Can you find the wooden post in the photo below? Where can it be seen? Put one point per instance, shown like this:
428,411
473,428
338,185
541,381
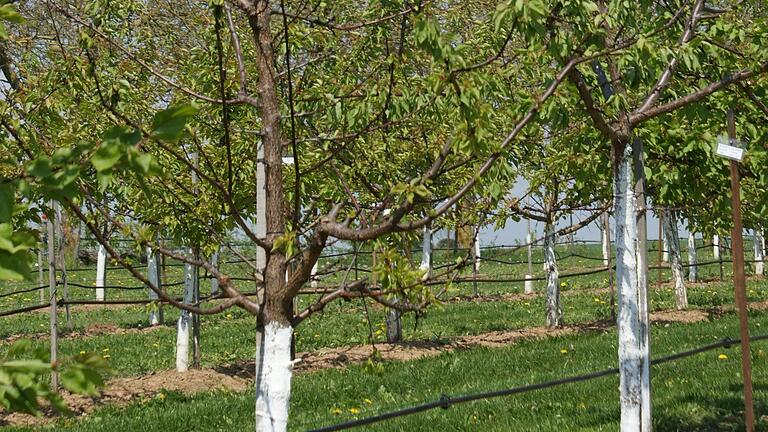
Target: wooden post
52,296
61,265
739,282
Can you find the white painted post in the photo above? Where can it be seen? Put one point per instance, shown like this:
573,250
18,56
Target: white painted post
40,278
716,246
554,310
101,272
671,233
759,257
693,271
153,274
54,322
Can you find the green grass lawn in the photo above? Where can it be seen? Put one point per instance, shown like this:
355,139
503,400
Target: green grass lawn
698,393
230,337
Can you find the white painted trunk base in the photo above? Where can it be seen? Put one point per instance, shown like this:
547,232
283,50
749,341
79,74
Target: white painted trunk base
153,274
665,243
693,271
554,309
528,284
604,240
759,256
273,380
426,252
628,321
101,272
716,247
185,321
671,233
313,275
476,245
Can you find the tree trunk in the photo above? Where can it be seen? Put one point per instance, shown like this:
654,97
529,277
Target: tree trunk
673,241
628,322
153,274
273,377
554,310
693,271
426,251
759,252
604,239
215,281
716,246
394,326
665,239
184,324
101,273
529,275
476,252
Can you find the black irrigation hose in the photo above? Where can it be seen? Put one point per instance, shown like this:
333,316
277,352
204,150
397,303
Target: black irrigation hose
24,309
23,291
446,401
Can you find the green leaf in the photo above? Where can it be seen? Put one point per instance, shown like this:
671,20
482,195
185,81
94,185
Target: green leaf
7,200
168,125
14,267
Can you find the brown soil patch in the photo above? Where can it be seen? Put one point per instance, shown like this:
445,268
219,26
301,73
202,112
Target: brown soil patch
125,390
680,316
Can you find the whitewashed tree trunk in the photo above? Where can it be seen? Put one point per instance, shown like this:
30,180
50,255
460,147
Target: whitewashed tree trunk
554,310
426,251
628,321
184,324
665,241
759,252
476,245
529,276
394,326
671,233
604,239
101,272
153,274
313,275
716,246
693,271
273,378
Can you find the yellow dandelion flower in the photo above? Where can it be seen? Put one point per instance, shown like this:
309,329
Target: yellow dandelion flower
161,396
229,316
563,284
564,351
336,411
105,350
82,352
354,411
722,357
368,401
107,356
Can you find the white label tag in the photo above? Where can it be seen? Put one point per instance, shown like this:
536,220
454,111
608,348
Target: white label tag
730,152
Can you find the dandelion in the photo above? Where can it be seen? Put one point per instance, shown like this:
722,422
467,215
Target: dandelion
229,316
336,411
354,411
105,350
107,356
564,351
82,352
563,284
722,357
161,396
368,401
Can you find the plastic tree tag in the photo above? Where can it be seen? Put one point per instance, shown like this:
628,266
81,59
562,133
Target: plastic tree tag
728,151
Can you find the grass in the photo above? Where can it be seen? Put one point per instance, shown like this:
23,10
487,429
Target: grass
229,337
698,393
